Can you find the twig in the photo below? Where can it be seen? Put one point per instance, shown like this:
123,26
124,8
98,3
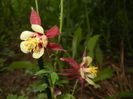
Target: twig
75,85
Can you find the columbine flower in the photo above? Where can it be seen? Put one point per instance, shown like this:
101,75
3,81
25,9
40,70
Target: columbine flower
36,42
84,71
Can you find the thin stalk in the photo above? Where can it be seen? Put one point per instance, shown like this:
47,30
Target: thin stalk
74,87
52,89
36,2
60,30
61,19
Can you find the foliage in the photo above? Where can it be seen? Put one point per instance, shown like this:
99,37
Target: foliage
12,96
67,96
20,65
54,77
38,87
106,73
122,95
76,41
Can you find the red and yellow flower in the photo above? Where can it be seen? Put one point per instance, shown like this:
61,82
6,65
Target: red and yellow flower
36,42
83,71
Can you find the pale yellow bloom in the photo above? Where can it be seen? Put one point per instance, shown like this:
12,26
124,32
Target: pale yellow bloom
87,71
34,42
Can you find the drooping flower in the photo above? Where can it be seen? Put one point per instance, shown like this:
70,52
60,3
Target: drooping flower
57,92
36,42
84,71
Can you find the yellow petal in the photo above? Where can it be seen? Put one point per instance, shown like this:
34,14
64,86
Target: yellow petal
38,54
24,48
82,73
25,35
90,81
37,28
87,60
45,41
91,76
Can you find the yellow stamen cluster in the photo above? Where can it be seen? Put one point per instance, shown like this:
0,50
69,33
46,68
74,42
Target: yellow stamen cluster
33,44
92,70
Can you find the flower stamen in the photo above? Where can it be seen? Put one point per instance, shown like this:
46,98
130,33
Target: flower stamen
33,44
92,70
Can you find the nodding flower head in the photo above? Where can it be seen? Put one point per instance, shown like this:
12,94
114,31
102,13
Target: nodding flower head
36,42
84,71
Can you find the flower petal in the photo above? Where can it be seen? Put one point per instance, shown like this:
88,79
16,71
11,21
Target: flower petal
92,76
44,40
67,70
84,53
25,35
35,18
90,81
54,46
57,92
37,28
38,54
71,78
54,31
87,60
72,62
24,48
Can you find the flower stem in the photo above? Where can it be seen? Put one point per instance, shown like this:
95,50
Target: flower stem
37,6
61,19
74,87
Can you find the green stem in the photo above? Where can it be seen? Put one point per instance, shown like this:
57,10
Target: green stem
61,23
36,6
40,64
74,87
61,19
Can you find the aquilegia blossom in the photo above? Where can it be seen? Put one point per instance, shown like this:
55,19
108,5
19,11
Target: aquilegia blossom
84,71
36,42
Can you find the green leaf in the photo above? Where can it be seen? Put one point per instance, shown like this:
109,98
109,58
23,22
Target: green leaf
76,40
68,96
21,64
43,71
54,77
11,96
125,94
99,55
91,44
39,87
104,74
22,97
42,96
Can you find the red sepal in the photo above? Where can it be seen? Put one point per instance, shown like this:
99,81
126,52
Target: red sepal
72,62
54,46
35,18
54,31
